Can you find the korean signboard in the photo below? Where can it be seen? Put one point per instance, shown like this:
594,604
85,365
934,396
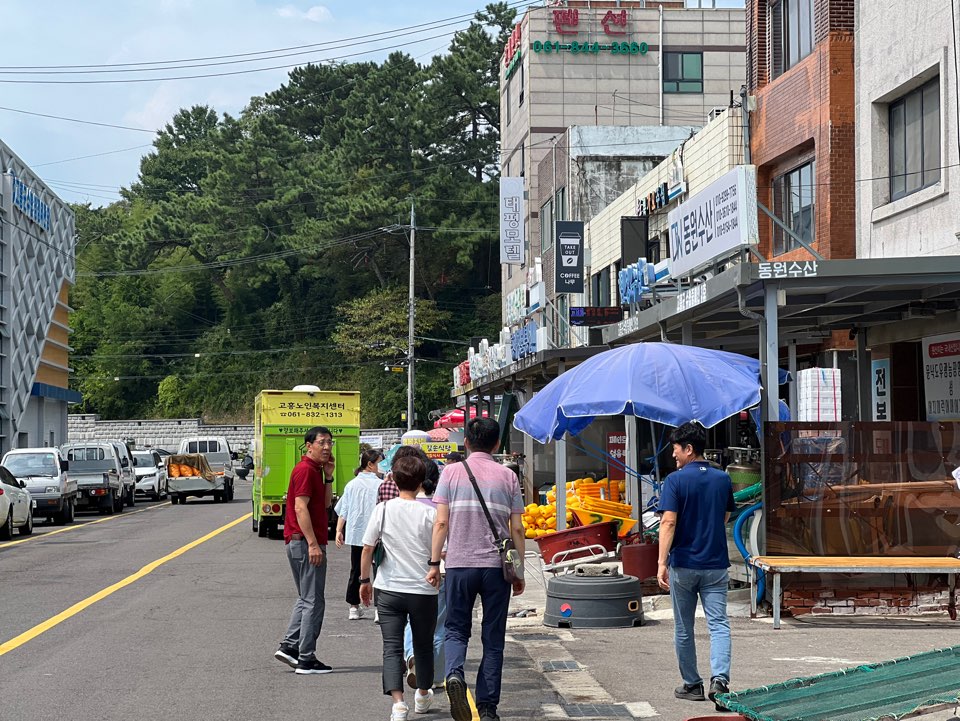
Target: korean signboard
617,451
569,257
941,377
591,316
511,52
880,385
584,32
511,221
714,223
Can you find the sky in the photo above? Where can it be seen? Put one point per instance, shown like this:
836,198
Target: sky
57,32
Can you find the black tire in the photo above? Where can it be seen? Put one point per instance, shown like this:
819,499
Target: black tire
6,530
131,496
111,507
27,528
217,497
60,517
229,493
264,529
256,526
71,512
173,499
182,499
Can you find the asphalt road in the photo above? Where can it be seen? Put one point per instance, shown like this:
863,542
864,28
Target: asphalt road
141,635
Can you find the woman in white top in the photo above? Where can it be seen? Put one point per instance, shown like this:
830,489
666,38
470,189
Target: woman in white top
404,527
354,510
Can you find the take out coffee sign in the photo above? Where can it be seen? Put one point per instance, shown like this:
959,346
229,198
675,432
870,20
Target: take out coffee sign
568,249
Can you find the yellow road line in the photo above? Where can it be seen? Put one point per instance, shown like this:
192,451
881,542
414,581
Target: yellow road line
473,706
76,608
41,536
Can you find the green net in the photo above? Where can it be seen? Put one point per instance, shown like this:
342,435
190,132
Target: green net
888,690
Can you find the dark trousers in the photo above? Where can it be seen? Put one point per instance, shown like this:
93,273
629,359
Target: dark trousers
395,609
463,585
353,584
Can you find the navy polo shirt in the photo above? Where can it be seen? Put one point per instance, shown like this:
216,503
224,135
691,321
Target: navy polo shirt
700,495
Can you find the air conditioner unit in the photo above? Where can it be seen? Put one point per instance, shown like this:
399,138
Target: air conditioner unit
716,112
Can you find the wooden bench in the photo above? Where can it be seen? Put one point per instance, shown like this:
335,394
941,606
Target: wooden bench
775,565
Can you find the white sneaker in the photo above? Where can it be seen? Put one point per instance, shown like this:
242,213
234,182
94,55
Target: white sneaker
399,712
422,703
356,613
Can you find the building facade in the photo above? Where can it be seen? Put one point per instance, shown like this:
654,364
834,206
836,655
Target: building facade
607,64
800,75
37,243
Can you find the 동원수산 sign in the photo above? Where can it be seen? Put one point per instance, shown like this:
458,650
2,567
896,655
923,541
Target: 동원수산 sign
714,223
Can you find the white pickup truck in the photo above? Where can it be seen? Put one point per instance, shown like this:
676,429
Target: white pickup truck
216,451
44,471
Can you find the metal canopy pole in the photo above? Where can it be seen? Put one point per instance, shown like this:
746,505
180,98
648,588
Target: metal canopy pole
561,475
792,367
770,391
864,378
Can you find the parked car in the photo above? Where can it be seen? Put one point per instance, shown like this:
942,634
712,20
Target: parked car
97,468
151,474
16,506
45,473
127,473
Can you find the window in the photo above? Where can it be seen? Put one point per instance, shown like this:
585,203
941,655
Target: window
604,296
520,71
506,102
915,140
617,267
560,203
790,33
523,159
653,251
682,72
546,225
793,203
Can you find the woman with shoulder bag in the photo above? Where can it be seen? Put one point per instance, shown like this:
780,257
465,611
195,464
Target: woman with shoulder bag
403,528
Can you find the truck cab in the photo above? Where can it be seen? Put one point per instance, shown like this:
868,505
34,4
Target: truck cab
45,474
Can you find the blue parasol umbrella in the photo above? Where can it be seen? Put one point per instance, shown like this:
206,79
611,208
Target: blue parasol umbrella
662,382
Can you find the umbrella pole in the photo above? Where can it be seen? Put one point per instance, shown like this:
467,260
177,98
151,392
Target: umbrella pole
656,453
560,466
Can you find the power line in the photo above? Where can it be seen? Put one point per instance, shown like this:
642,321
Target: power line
388,33
95,155
76,120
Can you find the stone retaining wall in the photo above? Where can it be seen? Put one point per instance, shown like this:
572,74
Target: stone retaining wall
167,433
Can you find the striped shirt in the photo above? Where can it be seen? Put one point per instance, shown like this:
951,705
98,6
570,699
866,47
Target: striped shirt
470,543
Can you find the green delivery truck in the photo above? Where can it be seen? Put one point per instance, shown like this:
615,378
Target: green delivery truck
280,420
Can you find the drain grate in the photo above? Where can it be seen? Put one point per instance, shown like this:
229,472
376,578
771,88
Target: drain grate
560,666
534,636
596,710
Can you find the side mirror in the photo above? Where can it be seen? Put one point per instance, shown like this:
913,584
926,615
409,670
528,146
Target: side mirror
124,463
234,456
160,465
22,484
64,465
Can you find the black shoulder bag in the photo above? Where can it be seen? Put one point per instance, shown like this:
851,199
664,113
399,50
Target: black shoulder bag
509,556
379,550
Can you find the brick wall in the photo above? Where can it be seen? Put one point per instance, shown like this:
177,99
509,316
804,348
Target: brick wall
802,599
808,113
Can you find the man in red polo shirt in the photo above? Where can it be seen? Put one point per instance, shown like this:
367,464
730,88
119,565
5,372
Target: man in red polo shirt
305,535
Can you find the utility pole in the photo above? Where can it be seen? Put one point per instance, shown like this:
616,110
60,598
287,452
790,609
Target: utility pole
411,313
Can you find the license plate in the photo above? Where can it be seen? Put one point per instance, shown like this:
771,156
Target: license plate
34,502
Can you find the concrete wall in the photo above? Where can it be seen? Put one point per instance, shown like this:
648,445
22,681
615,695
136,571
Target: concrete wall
590,89
888,65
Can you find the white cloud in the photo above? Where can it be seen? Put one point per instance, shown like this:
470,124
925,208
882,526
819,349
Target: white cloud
315,14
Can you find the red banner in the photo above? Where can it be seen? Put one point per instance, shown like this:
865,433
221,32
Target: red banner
617,450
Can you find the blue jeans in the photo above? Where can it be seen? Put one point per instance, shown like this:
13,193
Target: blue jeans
438,636
710,586
463,587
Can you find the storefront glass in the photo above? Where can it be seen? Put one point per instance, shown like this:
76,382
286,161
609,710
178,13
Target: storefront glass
862,489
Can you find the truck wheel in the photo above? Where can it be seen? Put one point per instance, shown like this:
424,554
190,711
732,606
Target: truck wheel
230,493
264,529
217,497
255,525
110,508
173,499
182,499
131,500
71,511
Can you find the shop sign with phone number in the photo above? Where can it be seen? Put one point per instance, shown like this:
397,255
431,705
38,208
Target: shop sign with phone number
624,48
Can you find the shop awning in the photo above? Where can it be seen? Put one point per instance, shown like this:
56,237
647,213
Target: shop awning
540,367
814,299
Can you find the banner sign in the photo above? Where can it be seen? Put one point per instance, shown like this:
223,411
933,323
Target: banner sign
569,257
511,221
617,450
592,316
715,223
941,377
880,376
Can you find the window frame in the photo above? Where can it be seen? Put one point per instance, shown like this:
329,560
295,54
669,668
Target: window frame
936,173
785,23
546,225
677,81
785,185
